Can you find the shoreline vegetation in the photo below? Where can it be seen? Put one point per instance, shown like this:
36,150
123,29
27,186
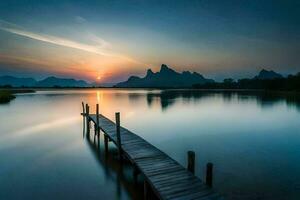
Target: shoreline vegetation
6,95
290,84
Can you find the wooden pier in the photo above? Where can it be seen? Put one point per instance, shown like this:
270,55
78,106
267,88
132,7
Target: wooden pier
165,177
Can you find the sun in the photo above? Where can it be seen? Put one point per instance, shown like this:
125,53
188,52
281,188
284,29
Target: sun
98,77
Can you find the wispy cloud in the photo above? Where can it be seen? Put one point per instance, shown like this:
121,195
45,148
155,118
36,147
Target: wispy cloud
80,19
102,47
101,42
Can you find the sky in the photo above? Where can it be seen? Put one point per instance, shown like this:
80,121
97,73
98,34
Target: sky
109,40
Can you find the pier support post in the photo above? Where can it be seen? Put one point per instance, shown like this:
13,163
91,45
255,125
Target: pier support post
97,129
87,109
146,192
118,134
135,174
83,111
105,143
98,142
83,116
209,174
191,162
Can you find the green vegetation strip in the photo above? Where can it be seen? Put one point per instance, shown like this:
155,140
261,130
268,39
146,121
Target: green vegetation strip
6,96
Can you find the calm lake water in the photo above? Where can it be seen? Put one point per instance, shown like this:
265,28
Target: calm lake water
252,138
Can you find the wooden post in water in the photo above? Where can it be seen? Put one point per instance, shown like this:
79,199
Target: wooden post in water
209,174
135,174
106,143
83,116
97,130
146,192
191,161
83,111
87,109
118,134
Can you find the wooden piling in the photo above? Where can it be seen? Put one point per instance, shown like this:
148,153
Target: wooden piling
83,111
98,142
106,143
97,130
191,161
83,117
87,109
118,134
146,192
135,174
209,174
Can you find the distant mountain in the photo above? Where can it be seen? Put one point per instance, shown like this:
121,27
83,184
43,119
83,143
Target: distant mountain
166,77
47,82
61,82
267,75
17,82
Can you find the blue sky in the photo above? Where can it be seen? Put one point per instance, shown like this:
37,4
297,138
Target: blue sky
110,40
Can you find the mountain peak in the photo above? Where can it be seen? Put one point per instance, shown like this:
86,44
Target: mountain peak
149,72
165,69
186,72
268,74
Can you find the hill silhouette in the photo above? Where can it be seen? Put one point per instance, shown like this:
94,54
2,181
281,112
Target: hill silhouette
265,80
268,75
61,82
165,78
47,82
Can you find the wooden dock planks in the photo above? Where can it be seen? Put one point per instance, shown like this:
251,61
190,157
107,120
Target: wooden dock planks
167,178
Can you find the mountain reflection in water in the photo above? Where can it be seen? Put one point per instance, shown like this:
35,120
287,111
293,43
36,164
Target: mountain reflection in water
263,98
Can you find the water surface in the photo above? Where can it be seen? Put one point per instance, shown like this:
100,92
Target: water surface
252,138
